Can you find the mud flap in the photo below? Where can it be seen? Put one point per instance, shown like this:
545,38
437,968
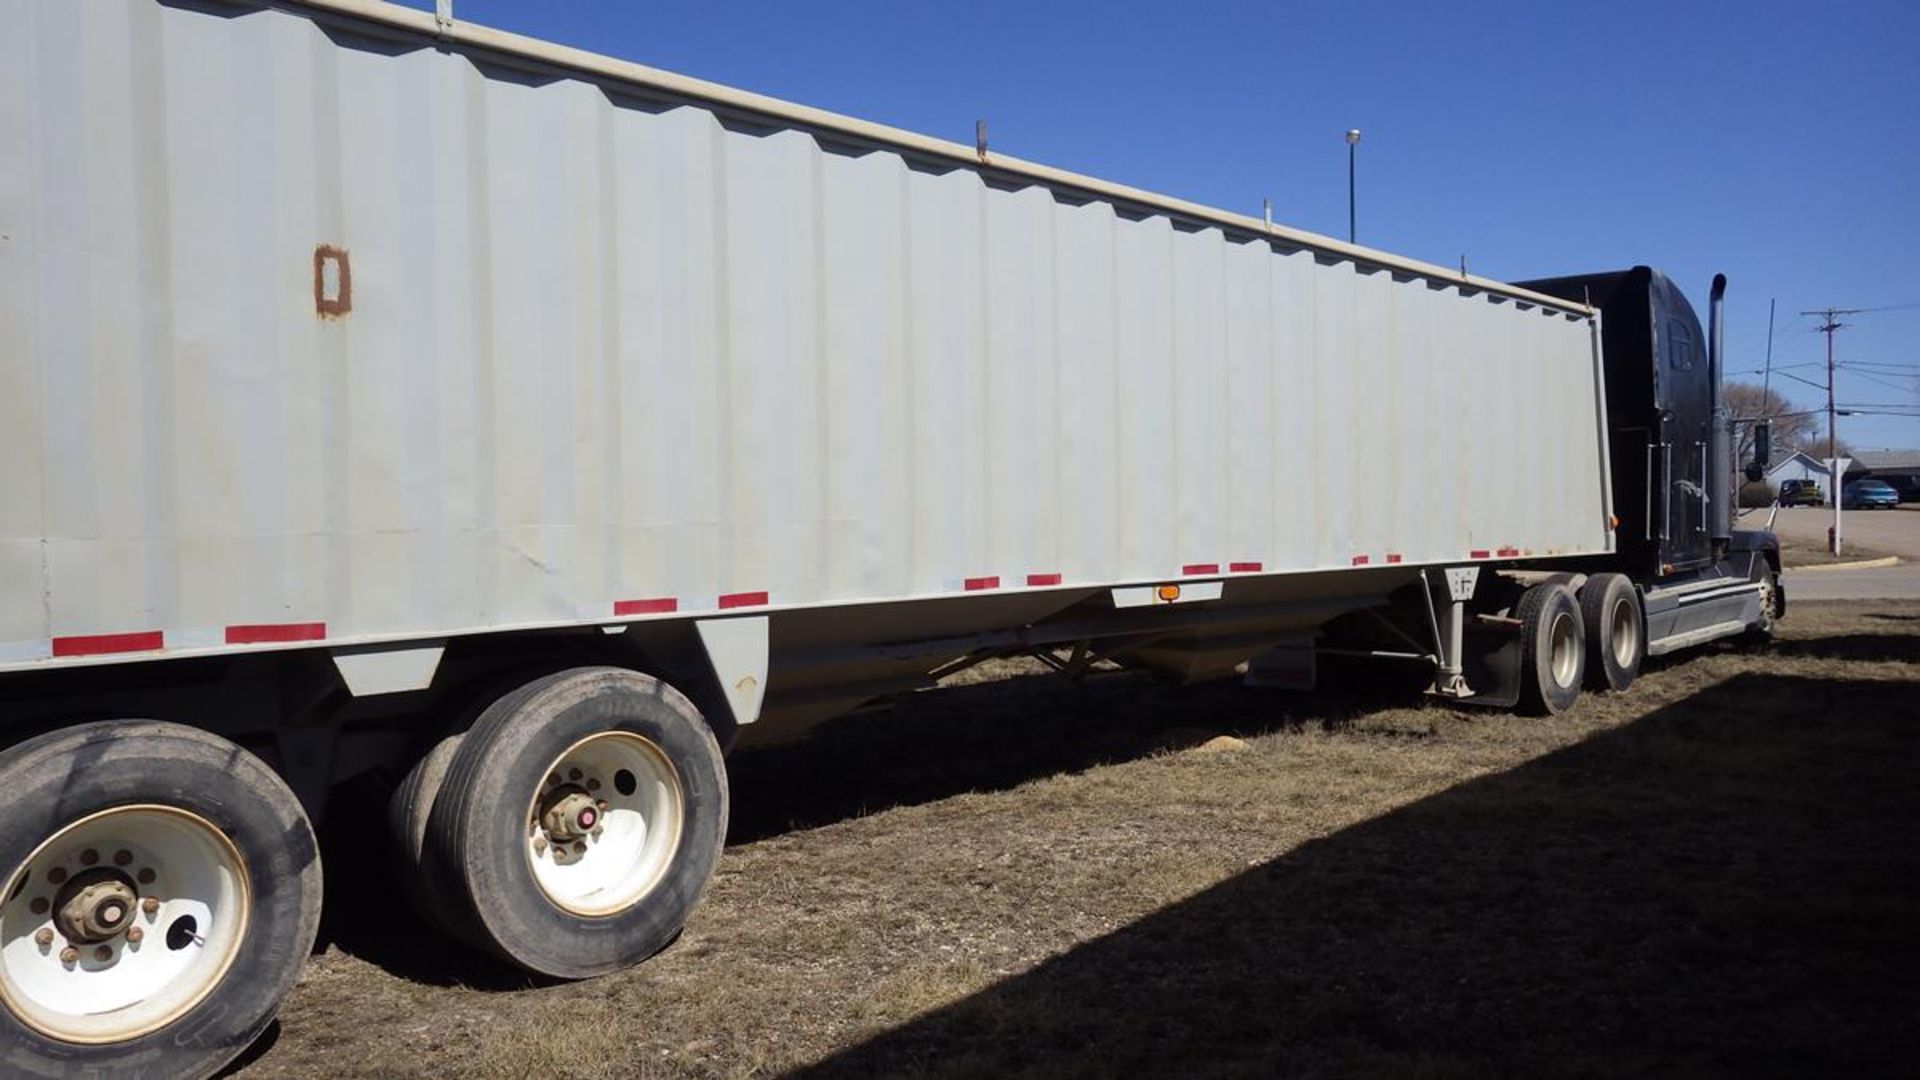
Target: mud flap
1491,662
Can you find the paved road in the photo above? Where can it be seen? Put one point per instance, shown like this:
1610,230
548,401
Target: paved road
1897,532
1885,583
1894,531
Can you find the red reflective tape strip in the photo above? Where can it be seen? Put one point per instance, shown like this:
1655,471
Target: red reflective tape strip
1244,567
656,606
96,644
1361,560
1480,553
1201,568
975,584
1508,553
1393,558
743,599
1043,579
262,633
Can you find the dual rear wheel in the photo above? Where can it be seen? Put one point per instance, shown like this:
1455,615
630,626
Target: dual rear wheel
1594,638
160,886
572,830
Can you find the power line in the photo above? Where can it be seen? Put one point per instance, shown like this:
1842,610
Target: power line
1889,385
1796,378
1776,367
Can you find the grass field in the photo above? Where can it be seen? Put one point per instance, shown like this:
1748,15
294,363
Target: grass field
1715,874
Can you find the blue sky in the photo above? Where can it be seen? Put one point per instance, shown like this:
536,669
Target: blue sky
1779,143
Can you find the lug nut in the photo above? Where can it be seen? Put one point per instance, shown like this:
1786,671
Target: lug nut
39,905
580,848
539,845
122,857
574,774
602,804
144,877
44,938
89,857
135,935
593,784
57,875
69,956
553,779
597,830
151,905
103,953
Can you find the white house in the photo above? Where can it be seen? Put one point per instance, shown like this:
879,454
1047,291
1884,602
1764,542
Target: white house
1799,466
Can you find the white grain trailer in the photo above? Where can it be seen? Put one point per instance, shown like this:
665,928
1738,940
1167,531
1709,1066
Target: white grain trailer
362,369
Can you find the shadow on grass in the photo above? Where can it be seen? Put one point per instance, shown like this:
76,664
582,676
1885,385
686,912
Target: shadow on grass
1869,647
993,736
1729,886
985,736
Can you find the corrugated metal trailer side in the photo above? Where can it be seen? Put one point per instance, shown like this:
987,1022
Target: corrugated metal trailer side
496,431
312,333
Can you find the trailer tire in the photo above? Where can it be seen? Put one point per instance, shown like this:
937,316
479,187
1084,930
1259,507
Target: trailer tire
407,814
579,822
1552,649
1615,631
102,815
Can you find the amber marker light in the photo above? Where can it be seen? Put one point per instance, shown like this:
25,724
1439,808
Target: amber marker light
1168,593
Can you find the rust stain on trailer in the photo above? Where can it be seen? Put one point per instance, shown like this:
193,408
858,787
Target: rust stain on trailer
332,282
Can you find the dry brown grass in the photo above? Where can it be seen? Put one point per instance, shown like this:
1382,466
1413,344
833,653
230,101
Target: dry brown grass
1713,874
1800,551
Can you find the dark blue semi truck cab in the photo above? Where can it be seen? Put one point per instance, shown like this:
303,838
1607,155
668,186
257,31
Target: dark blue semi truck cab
1670,456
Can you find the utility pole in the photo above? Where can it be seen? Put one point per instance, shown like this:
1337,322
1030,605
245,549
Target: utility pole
1829,323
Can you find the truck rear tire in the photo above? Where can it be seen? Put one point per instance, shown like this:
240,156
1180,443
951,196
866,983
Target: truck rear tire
162,895
1615,631
579,822
1553,651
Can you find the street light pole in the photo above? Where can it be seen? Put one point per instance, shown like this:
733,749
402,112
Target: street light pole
1353,140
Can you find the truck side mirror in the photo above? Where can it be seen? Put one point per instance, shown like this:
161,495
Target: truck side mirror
1762,450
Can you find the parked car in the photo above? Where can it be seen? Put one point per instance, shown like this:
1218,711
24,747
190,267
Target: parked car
1869,495
1801,493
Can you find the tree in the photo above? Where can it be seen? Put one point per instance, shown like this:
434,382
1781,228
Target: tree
1793,428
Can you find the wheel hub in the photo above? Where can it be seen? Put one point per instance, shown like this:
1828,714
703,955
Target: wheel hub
569,815
95,906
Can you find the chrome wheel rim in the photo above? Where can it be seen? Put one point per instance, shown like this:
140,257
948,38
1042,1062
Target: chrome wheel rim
1564,641
1625,632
